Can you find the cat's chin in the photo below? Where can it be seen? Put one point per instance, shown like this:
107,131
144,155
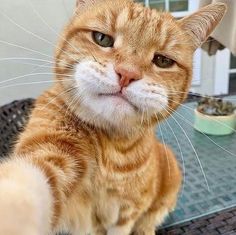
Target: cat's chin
110,112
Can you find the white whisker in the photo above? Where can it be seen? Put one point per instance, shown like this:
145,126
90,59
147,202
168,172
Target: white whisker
187,107
24,58
29,75
181,155
35,35
166,154
54,98
25,48
194,150
29,83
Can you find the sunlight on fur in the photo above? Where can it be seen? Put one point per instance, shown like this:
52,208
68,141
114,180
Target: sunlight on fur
88,161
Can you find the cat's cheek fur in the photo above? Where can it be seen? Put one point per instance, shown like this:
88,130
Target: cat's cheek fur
25,200
94,78
151,99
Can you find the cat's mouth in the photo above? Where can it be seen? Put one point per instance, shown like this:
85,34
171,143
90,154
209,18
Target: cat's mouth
117,94
120,98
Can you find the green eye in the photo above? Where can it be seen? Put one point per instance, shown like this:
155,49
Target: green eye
162,61
103,40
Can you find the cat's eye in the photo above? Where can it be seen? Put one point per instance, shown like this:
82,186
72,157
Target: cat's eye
102,39
162,61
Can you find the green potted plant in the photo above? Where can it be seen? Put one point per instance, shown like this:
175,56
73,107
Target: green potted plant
214,116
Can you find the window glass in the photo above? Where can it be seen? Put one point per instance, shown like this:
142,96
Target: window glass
232,83
178,5
159,4
233,62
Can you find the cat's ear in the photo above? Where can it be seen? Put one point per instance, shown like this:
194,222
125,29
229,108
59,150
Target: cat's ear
202,23
84,3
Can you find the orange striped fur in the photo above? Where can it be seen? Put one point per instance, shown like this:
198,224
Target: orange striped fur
88,161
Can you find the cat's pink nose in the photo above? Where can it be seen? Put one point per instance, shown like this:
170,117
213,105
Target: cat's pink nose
127,76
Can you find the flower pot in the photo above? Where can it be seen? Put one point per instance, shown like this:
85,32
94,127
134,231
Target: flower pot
214,125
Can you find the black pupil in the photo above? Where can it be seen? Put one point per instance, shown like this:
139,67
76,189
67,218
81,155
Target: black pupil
162,61
103,40
101,37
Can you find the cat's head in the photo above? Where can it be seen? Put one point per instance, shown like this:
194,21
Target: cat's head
126,65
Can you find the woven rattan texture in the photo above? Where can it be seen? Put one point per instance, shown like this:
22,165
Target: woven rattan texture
13,116
223,222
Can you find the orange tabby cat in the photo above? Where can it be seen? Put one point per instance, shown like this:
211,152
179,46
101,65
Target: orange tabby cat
88,161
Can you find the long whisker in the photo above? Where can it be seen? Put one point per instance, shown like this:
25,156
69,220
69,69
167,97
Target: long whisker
35,59
166,154
189,123
30,83
69,106
187,107
219,146
35,35
31,50
194,150
181,155
226,97
25,48
29,75
193,109
54,98
24,58
53,30
44,66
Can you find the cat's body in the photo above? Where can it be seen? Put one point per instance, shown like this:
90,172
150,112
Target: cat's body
88,161
111,182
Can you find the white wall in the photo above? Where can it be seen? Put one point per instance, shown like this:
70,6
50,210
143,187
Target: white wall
206,85
214,74
55,13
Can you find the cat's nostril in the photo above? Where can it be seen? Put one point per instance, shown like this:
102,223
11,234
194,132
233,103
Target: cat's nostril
132,80
119,75
127,76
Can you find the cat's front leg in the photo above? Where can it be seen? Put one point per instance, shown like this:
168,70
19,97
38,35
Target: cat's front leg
124,228
25,200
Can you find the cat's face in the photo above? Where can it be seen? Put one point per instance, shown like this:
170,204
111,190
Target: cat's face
130,65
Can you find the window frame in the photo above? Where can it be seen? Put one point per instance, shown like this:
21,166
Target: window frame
192,6
232,70
223,72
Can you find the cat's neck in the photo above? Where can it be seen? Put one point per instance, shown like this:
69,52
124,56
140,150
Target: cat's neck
122,156
122,141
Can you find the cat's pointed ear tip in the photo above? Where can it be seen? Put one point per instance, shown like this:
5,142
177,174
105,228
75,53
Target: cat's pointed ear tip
84,3
78,2
219,6
202,23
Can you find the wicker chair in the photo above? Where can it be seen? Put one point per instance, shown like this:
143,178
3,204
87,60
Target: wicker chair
13,117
